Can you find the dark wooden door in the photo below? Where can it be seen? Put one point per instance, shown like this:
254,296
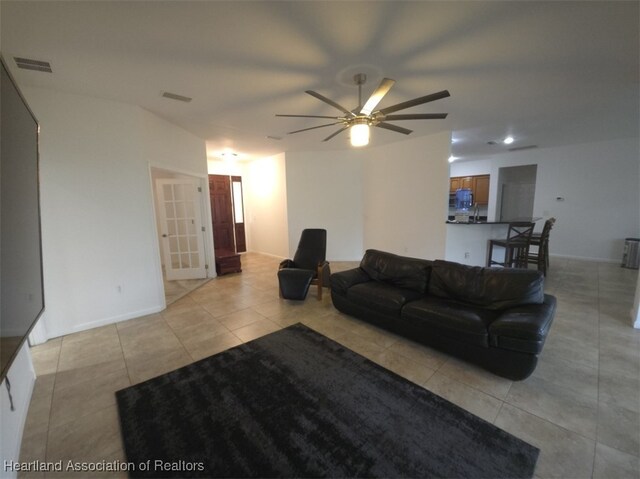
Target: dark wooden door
222,213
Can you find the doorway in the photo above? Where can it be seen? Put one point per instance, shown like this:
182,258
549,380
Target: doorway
516,192
227,215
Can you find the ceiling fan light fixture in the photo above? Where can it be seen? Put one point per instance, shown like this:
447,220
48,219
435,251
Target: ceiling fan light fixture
360,121
360,134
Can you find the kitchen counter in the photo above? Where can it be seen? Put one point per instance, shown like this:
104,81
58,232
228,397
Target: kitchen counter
469,245
484,221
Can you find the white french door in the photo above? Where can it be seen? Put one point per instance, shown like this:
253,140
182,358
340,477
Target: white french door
181,228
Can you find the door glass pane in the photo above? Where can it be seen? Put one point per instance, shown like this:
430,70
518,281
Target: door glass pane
184,244
195,261
168,192
237,202
173,245
186,263
178,192
168,207
175,261
182,227
180,210
171,226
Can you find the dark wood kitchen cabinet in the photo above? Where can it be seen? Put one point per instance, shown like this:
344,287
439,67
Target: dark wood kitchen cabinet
478,184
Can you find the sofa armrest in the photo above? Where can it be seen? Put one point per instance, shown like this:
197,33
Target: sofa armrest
342,281
524,328
287,263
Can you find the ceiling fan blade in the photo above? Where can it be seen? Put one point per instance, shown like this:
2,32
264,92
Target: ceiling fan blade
313,128
417,116
330,102
335,133
311,116
416,101
377,95
398,129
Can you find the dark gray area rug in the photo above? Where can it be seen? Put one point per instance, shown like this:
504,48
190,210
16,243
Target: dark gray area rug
297,404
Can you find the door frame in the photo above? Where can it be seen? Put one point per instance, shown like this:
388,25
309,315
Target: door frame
205,209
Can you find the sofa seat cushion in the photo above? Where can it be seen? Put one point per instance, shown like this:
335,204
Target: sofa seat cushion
489,288
452,319
382,297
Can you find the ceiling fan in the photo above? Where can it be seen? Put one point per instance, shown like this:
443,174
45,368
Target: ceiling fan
362,117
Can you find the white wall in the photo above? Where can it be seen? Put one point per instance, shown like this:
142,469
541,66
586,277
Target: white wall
225,167
324,190
264,188
392,197
406,196
97,210
22,378
599,184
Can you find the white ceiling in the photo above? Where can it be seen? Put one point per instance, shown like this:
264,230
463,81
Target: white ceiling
548,73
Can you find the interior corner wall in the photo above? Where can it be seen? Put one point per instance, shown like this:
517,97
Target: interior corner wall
264,190
100,250
406,196
324,190
597,184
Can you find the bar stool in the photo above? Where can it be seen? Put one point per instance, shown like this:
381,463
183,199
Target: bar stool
516,246
541,240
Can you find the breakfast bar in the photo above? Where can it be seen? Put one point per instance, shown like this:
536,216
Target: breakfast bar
467,242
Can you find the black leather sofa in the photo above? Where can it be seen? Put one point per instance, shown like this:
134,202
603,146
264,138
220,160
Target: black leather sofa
497,318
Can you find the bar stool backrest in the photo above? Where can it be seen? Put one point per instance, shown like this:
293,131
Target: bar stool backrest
546,229
520,231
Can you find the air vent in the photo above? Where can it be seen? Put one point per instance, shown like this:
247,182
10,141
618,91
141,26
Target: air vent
36,65
520,148
174,96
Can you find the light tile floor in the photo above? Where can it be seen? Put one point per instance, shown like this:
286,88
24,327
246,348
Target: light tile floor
176,289
581,406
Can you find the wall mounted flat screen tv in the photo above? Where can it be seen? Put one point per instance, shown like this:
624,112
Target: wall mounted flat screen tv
21,284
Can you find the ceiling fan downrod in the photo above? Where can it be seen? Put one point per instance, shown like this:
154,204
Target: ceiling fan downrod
360,79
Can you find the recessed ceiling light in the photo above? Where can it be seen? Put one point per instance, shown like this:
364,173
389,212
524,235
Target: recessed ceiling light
508,140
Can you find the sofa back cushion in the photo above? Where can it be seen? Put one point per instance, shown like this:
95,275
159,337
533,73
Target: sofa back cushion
400,271
490,288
